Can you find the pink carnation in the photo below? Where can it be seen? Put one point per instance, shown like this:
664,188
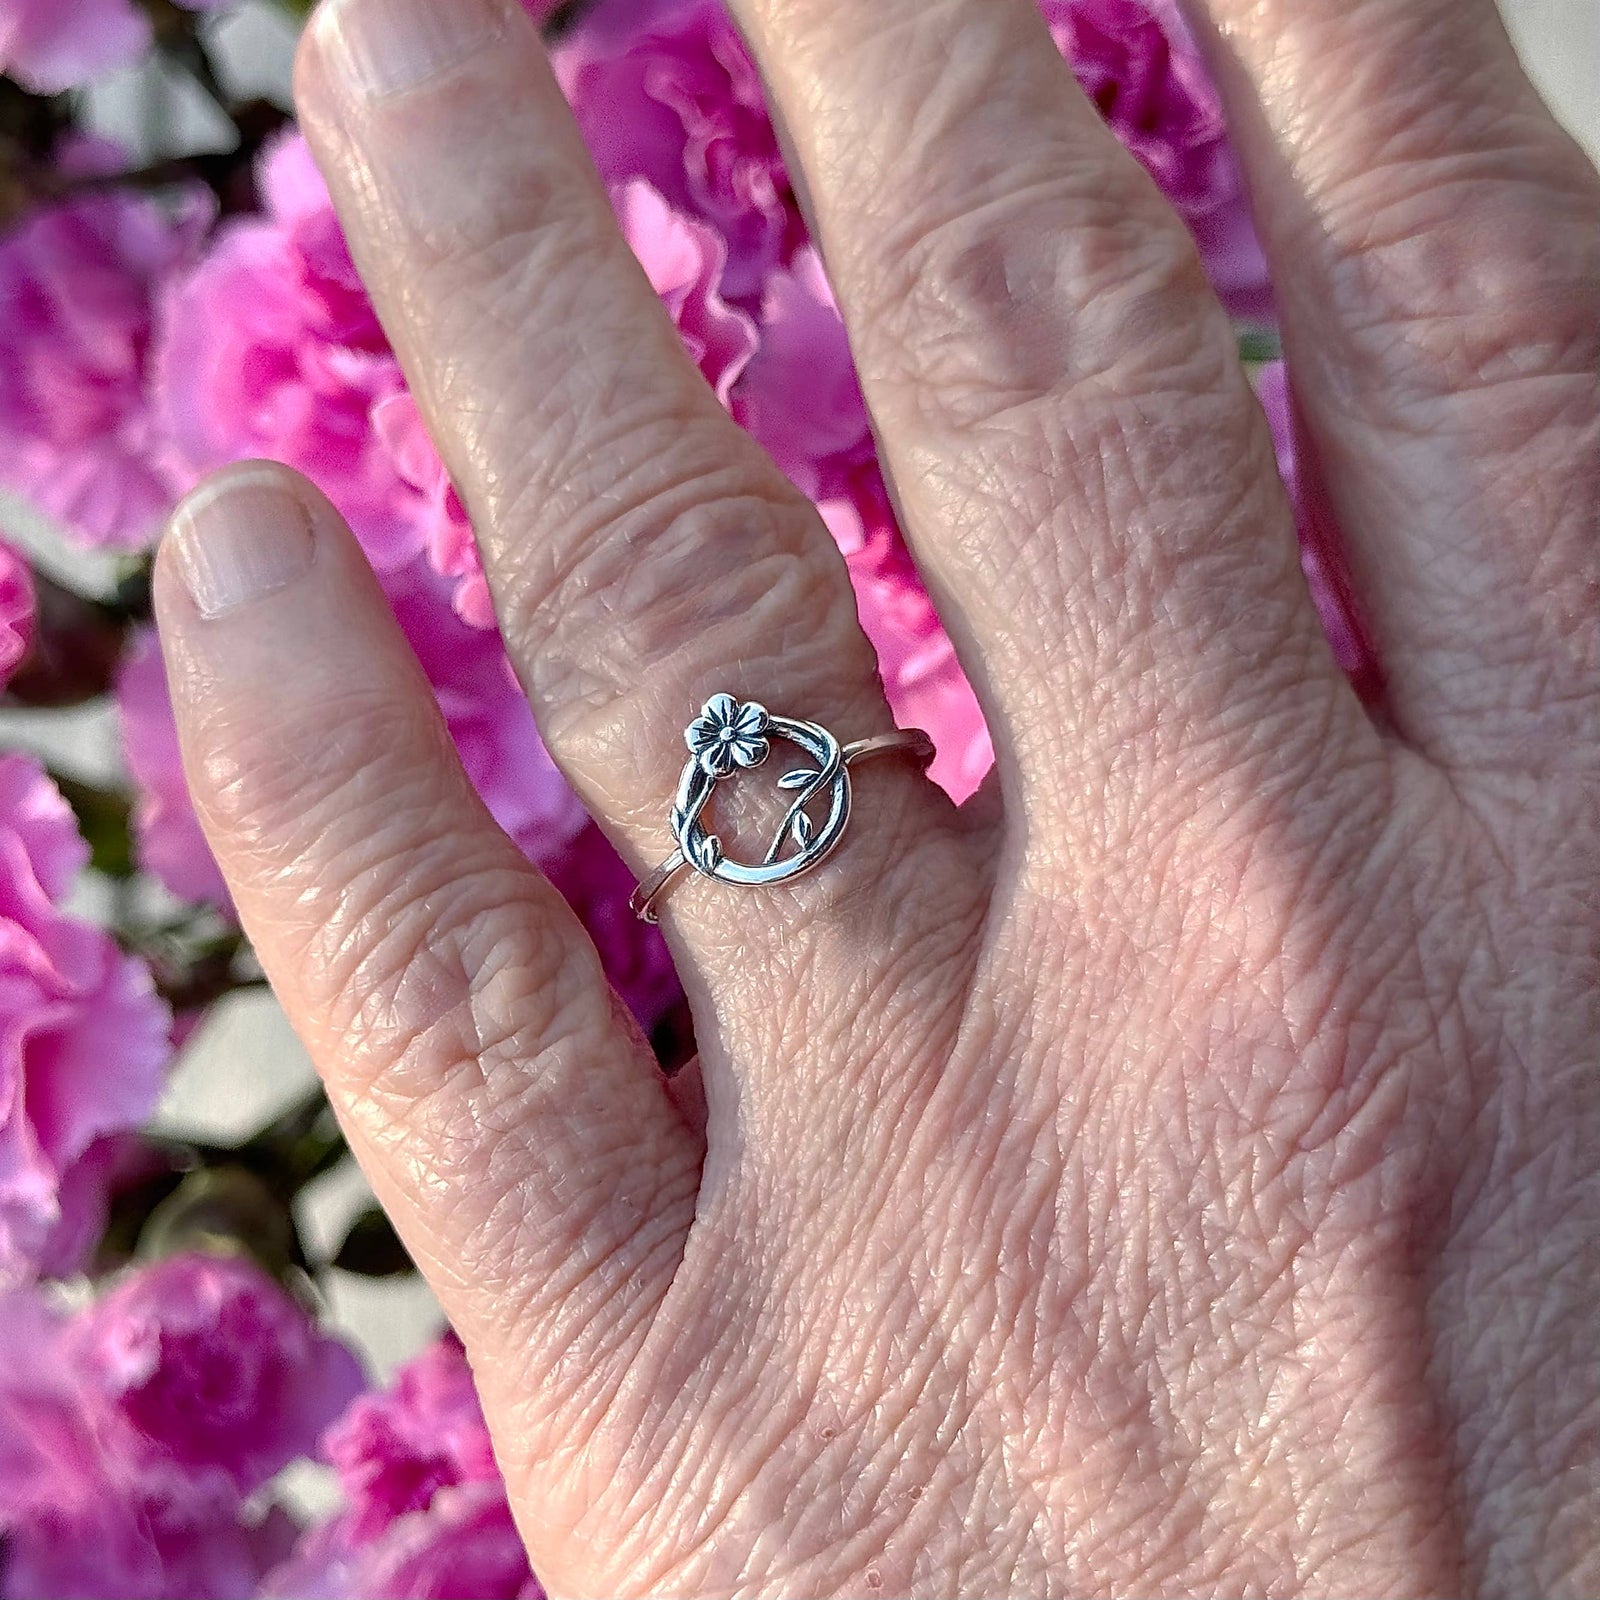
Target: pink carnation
16,611
214,1367
597,883
393,1451
79,437
448,544
270,348
1321,550
465,1543
799,395
52,45
666,91
922,679
86,1508
166,831
426,1516
685,261
83,1037
1137,61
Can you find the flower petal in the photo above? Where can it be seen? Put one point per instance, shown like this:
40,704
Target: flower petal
722,709
716,760
752,718
750,752
703,732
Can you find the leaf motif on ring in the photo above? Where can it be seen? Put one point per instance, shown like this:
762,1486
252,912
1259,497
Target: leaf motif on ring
730,734
705,851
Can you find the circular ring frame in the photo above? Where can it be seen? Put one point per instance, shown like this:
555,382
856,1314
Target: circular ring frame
700,850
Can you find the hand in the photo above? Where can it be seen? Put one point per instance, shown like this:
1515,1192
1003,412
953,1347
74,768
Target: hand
1174,1173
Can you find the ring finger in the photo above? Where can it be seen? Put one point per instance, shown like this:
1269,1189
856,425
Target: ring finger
643,553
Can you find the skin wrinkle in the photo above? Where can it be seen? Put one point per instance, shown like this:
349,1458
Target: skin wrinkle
1414,320
1174,1184
578,555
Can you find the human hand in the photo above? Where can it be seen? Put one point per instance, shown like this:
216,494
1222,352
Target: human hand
1172,1173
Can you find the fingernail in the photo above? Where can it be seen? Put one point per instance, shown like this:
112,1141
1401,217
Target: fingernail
388,46
239,539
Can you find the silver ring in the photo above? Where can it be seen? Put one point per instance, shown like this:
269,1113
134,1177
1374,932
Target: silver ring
730,734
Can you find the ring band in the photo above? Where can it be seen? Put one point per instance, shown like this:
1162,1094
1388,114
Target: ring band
730,734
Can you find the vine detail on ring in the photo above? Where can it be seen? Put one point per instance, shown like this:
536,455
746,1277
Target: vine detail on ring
730,735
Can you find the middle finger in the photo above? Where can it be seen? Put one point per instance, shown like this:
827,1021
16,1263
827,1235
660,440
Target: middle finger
1086,477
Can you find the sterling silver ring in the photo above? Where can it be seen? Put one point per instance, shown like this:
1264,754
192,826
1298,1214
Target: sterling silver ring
730,735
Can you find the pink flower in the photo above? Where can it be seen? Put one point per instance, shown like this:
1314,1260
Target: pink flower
685,261
107,1167
426,1513
393,1451
83,1037
1321,550
51,45
1137,61
167,833
464,1544
922,679
488,717
214,1367
596,883
79,437
799,395
666,91
270,348
16,611
85,1508
448,542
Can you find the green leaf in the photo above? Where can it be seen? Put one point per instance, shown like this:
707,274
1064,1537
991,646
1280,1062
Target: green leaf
223,1209
104,821
130,1209
1258,344
372,1248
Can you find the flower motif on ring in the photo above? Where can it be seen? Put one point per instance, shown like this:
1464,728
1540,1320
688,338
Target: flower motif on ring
728,733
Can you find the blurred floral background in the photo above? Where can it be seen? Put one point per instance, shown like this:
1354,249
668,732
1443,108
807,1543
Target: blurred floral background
220,1375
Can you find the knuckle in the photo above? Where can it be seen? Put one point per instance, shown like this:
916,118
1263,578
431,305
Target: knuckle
280,795
1005,271
437,988
1038,290
460,1025
643,597
1481,260
1173,495
504,310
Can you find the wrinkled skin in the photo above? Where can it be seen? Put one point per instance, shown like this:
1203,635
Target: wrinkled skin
1174,1173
